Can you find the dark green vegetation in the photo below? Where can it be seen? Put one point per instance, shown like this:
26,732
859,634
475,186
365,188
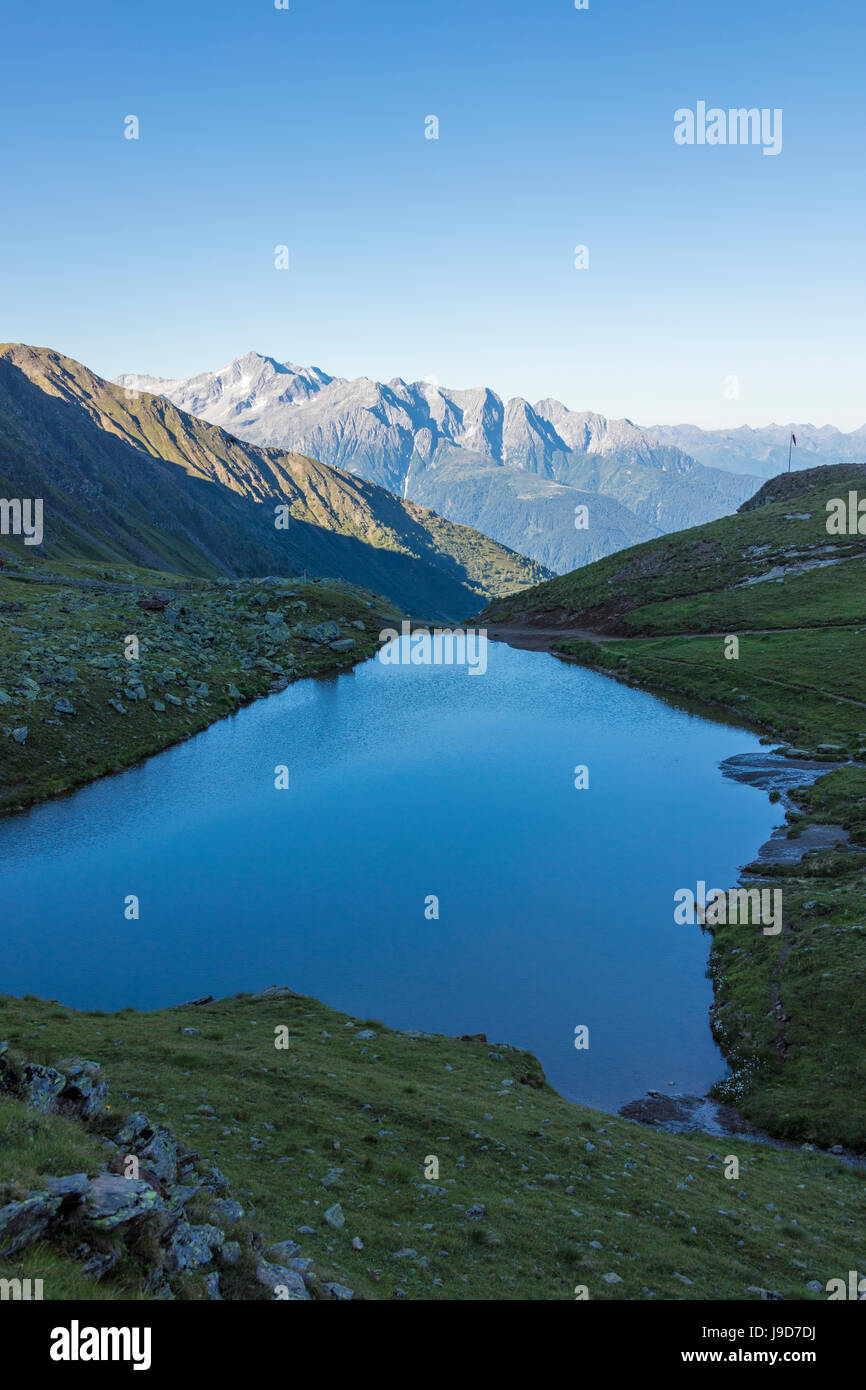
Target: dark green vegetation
126,477
534,1195
532,512
216,645
791,1010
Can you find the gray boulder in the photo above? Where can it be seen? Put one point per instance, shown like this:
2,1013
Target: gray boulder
112,1201
86,1088
339,1291
191,1246
284,1284
323,632
100,1263
23,1222
161,1155
227,1210
75,1185
41,1086
285,1251
135,1126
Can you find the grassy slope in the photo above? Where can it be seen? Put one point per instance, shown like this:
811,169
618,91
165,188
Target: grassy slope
54,632
553,1177
791,1012
686,582
131,478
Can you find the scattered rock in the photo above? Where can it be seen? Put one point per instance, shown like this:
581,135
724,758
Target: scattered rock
86,1088
228,1210
135,1126
284,1284
100,1263
334,1217
323,632
41,1086
283,1252
23,1222
191,1246
161,1154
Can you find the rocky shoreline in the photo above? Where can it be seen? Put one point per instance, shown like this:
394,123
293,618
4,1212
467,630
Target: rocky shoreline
98,675
781,772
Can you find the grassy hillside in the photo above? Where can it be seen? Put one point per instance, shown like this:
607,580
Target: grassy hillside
86,709
534,1196
127,478
767,566
790,1011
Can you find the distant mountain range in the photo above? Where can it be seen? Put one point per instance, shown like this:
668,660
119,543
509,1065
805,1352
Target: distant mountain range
126,476
765,451
514,470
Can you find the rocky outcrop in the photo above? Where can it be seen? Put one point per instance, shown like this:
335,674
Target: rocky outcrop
145,1204
72,1087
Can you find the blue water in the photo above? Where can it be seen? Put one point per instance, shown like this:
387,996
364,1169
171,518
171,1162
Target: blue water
555,904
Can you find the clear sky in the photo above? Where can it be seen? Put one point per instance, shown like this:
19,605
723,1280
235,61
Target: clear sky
449,258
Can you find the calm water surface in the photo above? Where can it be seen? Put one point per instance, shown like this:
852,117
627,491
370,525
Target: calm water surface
556,905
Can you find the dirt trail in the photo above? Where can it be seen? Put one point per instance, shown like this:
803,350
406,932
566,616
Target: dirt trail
540,639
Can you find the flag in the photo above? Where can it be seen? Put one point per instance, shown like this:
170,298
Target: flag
793,439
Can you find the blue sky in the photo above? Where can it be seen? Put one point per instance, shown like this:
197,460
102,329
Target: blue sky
449,258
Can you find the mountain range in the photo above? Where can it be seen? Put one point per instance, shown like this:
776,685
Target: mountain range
514,470
765,450
126,476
